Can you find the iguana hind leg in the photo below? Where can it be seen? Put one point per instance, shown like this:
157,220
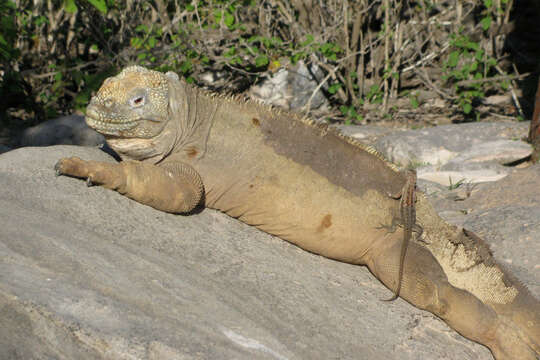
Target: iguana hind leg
425,285
171,187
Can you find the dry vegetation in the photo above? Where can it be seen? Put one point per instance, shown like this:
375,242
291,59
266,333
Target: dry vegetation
381,59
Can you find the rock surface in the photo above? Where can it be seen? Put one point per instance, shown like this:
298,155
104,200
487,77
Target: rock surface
472,152
68,130
88,274
438,145
293,88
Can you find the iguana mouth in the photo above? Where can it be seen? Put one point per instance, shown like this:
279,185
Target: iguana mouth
108,127
93,119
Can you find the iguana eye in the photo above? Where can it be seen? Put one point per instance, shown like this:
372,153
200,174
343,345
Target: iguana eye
137,101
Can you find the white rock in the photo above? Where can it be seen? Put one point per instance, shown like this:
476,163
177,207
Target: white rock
500,151
448,178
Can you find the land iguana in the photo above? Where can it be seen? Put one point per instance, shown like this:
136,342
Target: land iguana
183,148
407,219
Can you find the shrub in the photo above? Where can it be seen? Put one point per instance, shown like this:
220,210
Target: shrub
55,54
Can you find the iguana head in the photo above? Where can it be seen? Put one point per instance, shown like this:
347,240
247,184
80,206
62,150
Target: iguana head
133,104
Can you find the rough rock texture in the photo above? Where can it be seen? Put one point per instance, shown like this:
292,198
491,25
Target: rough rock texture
473,152
87,273
292,89
68,130
438,145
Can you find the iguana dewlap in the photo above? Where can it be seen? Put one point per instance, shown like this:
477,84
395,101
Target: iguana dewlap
306,183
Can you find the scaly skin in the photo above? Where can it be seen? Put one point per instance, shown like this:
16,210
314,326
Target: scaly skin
407,219
308,184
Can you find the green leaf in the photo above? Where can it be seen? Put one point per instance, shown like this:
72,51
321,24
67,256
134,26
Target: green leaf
297,57
261,61
217,15
486,22
309,40
276,41
136,42
229,20
230,52
453,58
142,28
467,108
100,5
414,102
488,3
40,20
186,66
70,6
473,45
82,98
253,39
332,89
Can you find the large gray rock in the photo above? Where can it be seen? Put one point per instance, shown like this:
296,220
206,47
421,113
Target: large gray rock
472,142
68,130
88,274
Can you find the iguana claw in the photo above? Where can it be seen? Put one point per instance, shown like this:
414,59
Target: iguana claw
57,171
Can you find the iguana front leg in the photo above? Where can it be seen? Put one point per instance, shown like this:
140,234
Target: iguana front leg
171,187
